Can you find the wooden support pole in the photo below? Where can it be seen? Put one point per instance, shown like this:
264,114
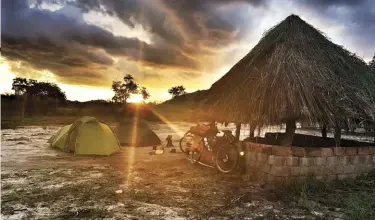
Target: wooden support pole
238,130
337,134
252,131
324,131
289,133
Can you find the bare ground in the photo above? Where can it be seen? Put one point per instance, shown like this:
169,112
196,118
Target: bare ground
38,182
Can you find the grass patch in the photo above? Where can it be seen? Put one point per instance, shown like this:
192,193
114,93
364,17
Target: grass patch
355,198
139,194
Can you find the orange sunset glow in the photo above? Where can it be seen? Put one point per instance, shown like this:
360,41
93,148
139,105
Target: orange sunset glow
161,45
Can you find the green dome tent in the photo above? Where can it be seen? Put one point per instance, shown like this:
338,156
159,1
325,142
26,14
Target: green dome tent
86,136
135,132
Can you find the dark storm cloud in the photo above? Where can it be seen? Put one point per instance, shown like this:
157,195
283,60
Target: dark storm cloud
185,34
182,32
48,40
358,17
170,19
327,3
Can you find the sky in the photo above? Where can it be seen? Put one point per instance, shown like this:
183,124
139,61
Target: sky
85,45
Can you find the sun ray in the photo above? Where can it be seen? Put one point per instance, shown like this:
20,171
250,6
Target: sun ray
131,149
167,122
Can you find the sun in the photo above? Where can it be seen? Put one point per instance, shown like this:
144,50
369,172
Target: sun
135,98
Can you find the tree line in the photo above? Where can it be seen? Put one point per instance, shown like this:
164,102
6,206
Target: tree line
122,89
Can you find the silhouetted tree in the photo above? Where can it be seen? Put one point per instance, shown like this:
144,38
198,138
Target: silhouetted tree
123,90
177,91
37,97
145,94
31,87
372,63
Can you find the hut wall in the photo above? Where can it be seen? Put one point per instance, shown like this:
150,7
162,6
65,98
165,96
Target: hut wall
276,164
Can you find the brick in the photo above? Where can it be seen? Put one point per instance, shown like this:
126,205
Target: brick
361,168
252,156
247,144
332,161
261,176
305,161
343,160
342,176
245,177
269,178
351,151
332,170
320,161
319,170
370,167
299,152
349,169
338,151
292,161
362,159
326,152
266,168
363,151
280,161
271,159
267,149
330,177
296,171
280,170
313,151
307,171
352,176
371,150
281,180
281,151
368,159
354,160
261,157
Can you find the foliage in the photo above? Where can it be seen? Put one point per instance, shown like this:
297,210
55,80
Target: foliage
144,92
354,197
177,91
32,87
123,90
372,63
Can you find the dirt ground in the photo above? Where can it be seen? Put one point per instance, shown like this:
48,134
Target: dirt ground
38,182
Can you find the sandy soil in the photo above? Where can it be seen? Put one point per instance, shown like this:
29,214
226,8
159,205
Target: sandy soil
38,182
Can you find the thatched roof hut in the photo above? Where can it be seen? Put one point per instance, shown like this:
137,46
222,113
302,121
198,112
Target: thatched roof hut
294,73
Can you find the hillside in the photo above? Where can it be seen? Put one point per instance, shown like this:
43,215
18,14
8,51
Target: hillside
184,107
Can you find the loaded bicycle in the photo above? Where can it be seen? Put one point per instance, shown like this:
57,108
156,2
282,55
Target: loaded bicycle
201,140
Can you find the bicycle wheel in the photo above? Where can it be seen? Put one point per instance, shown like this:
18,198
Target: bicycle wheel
227,158
185,143
195,153
194,156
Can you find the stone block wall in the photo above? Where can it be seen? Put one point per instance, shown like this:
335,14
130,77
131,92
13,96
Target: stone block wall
270,164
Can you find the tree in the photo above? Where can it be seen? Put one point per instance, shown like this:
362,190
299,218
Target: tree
123,90
31,87
372,63
145,94
177,91
20,85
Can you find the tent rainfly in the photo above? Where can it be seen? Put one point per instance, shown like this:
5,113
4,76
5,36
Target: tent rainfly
294,73
86,136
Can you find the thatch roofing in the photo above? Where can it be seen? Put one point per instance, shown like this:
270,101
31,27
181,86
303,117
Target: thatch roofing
294,72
